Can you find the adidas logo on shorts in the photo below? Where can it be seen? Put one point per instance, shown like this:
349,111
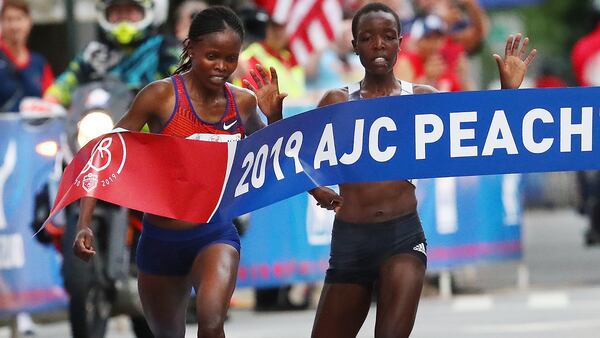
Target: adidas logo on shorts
420,248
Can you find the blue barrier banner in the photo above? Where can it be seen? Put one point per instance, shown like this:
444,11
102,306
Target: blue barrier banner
388,138
470,220
287,242
29,272
467,220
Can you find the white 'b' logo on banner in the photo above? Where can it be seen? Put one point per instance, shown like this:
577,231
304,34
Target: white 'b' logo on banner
101,155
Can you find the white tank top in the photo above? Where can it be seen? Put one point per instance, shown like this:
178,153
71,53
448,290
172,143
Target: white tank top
354,90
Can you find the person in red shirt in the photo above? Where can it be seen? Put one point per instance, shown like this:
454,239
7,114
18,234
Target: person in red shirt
585,58
427,64
22,72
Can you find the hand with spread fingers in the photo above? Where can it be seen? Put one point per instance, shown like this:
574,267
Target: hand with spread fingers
514,65
270,100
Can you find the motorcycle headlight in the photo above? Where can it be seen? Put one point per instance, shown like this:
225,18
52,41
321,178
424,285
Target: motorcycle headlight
47,148
93,125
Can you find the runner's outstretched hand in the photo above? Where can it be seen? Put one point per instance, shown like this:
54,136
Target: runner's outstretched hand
513,67
270,100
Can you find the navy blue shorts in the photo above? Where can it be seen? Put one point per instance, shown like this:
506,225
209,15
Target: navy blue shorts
172,252
359,250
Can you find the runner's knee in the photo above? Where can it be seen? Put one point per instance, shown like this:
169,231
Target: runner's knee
165,332
394,329
211,328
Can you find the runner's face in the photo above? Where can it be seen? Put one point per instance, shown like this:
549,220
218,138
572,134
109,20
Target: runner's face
377,42
15,25
215,57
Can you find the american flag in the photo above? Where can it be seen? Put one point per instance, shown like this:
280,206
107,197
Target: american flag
310,24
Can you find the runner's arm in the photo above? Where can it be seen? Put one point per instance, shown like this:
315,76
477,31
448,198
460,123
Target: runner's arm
153,101
513,67
147,105
327,198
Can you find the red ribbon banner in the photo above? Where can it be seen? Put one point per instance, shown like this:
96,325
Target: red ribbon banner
162,175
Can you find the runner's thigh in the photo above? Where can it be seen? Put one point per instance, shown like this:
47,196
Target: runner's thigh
214,275
400,284
164,300
342,310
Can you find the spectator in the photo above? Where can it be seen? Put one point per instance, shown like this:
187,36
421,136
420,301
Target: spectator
427,64
22,72
184,14
549,78
585,58
273,52
255,21
335,66
467,26
467,22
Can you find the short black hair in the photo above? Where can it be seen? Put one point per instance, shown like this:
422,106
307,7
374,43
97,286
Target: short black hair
215,19
211,20
374,7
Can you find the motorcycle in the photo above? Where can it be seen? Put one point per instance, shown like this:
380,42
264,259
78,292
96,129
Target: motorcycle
107,285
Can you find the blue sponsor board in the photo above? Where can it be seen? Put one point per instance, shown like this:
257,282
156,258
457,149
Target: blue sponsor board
467,220
471,219
29,272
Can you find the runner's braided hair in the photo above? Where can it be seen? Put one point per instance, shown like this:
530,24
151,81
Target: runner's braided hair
373,7
211,20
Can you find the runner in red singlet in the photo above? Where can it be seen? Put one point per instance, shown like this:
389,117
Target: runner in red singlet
197,103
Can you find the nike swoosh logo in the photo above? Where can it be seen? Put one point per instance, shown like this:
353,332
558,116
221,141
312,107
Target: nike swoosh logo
227,126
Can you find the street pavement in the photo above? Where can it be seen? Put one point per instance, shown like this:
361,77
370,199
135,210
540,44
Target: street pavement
558,295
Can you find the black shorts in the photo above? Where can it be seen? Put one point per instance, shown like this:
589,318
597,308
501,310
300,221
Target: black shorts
358,250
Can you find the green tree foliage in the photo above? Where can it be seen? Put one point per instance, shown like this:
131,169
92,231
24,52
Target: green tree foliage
555,26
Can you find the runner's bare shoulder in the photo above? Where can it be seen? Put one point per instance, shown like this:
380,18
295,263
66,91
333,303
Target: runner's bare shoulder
158,96
334,96
423,89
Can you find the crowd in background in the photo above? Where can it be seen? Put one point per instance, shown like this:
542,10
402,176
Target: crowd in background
439,37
